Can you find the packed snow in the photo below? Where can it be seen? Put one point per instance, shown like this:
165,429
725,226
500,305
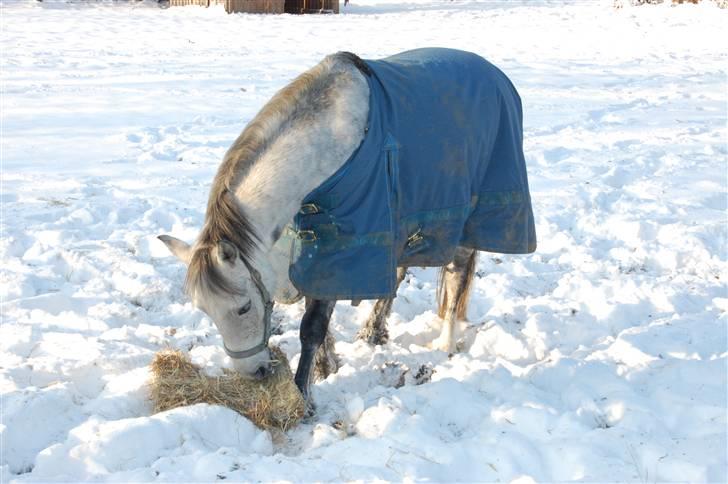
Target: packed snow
601,357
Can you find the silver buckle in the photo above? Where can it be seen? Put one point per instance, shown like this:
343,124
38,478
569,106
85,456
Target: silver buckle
307,235
309,209
415,238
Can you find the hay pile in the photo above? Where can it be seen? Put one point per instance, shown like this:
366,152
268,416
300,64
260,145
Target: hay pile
274,402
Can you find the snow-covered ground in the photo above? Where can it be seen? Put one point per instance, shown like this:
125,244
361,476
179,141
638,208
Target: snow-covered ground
601,357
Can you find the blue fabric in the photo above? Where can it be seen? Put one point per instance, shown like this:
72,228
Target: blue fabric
441,165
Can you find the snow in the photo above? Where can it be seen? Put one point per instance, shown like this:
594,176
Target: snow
601,357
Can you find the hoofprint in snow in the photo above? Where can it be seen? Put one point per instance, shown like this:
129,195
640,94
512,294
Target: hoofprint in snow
601,357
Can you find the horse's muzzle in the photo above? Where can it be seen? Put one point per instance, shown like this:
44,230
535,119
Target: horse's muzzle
263,372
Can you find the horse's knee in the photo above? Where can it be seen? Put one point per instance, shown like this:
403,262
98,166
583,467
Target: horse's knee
315,322
312,335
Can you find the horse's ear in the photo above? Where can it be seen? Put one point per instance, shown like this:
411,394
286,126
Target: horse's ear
177,247
226,252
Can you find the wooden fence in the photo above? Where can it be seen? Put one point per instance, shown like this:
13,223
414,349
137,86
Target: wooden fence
201,3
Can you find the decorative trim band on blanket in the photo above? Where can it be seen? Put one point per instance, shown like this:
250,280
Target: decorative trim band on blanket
329,239
332,237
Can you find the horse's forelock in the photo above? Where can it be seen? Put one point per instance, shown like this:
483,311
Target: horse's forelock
224,220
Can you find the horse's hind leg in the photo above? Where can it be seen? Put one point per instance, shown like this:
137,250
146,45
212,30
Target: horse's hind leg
453,292
374,330
327,361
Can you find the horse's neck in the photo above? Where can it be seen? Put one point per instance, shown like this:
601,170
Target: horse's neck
298,160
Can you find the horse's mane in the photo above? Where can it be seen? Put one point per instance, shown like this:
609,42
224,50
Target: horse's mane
225,220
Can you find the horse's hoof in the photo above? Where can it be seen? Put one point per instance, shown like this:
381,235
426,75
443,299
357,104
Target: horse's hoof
309,410
373,338
444,344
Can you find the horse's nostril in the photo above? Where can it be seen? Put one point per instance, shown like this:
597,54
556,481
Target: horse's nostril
262,372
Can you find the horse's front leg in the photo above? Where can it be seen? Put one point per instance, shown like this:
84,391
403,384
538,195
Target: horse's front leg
314,325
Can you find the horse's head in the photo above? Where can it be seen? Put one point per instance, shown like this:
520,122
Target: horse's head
229,290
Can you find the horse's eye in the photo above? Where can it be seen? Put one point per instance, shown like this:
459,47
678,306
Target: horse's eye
244,309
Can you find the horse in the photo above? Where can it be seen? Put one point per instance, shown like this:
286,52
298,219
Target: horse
348,175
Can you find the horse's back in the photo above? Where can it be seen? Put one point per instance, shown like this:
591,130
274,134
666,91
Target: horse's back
457,120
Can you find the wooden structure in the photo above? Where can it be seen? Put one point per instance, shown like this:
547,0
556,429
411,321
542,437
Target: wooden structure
266,6
254,6
201,3
312,6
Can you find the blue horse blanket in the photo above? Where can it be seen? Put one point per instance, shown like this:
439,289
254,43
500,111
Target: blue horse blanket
441,166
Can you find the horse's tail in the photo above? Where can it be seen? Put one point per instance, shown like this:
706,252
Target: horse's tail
461,305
